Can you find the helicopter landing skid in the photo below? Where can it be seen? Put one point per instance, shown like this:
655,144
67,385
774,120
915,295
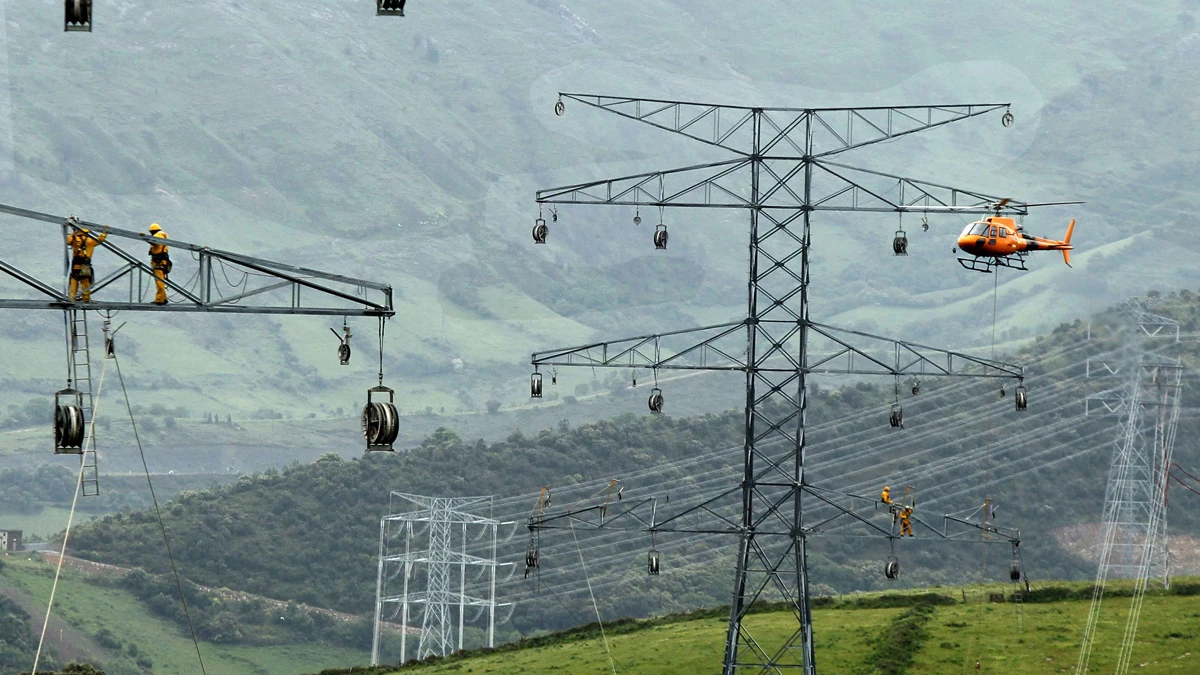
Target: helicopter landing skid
987,264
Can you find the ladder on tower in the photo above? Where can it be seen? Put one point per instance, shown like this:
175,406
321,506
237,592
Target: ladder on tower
81,374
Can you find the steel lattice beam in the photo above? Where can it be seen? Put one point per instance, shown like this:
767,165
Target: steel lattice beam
794,132
277,288
723,347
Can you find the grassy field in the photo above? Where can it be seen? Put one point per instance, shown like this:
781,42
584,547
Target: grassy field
1029,638
88,607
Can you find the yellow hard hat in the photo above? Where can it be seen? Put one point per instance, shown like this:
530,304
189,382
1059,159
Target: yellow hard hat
155,228
84,230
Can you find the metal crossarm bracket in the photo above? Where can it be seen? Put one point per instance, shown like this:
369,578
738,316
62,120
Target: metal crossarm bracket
325,294
840,187
785,131
831,350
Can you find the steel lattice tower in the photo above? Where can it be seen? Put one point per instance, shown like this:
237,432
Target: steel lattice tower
1133,528
429,552
782,173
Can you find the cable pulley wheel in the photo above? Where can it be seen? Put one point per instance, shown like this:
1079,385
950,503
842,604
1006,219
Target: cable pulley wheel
540,231
1007,119
655,402
891,569
380,423
560,108
344,354
68,426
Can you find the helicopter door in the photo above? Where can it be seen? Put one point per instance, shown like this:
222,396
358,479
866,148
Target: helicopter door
992,236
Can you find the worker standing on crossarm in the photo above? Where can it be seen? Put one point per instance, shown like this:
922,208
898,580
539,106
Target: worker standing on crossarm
906,521
160,262
82,244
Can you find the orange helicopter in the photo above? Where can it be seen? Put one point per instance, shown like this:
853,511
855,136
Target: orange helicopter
998,241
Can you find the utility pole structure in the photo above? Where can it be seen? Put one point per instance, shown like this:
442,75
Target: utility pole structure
1133,528
782,173
429,553
259,286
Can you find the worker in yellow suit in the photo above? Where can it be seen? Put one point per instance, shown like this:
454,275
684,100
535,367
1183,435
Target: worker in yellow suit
906,521
886,495
160,262
82,244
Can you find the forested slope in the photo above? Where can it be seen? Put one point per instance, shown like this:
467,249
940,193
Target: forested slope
278,533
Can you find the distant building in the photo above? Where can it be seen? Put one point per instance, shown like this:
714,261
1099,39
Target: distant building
10,540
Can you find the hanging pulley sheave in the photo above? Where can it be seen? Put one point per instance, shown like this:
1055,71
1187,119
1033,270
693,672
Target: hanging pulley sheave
380,419
69,425
891,568
655,402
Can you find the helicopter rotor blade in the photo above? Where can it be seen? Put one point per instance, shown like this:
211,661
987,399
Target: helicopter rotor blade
974,207
1054,203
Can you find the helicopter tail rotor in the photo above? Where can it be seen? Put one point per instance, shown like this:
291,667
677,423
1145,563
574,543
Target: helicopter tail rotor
1067,240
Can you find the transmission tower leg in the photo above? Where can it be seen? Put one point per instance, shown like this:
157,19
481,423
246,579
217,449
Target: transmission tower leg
379,595
462,586
491,631
408,534
775,411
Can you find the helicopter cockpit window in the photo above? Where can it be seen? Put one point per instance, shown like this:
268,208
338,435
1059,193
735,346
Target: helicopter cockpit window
977,229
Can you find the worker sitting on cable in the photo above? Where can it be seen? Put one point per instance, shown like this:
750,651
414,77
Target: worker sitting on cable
886,495
906,521
82,244
160,262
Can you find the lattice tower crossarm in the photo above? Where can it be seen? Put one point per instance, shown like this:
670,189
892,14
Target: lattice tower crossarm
430,533
780,174
264,286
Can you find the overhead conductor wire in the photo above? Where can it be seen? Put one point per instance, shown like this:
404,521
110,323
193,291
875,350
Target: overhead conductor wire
158,512
612,664
37,657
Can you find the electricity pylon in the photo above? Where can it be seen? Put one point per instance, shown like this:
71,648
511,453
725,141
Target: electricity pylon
1133,526
782,172
429,555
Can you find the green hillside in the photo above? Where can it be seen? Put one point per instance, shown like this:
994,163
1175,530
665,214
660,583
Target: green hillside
98,621
943,632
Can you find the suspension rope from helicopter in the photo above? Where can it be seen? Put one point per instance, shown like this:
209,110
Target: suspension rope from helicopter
987,467
158,512
62,555
611,663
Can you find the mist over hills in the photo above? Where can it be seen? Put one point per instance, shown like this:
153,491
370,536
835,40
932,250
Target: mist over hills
408,151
